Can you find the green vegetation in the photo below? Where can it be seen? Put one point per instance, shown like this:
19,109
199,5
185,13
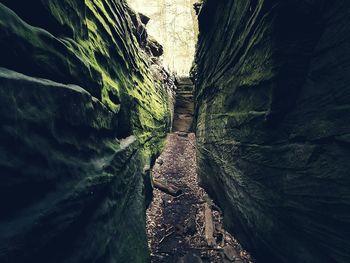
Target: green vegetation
84,115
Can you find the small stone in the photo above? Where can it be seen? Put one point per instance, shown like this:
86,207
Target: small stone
219,228
160,162
230,253
146,169
190,228
191,258
219,238
179,229
182,134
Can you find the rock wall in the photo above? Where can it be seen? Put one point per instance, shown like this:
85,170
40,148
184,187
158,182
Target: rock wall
84,111
273,124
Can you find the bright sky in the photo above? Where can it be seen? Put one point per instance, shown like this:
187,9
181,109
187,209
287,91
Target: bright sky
172,24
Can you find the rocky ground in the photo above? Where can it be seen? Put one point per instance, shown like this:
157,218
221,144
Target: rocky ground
178,226
183,223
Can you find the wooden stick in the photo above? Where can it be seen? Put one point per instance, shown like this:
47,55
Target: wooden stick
164,237
169,189
177,197
209,226
207,248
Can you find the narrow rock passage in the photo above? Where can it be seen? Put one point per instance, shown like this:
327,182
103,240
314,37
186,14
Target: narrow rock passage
184,106
188,227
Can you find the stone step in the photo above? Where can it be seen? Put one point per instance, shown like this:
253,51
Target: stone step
184,81
186,96
184,105
184,91
185,88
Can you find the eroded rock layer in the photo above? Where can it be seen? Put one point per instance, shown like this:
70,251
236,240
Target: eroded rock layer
273,124
83,111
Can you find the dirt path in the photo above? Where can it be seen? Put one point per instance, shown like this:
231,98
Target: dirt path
186,228
184,106
176,228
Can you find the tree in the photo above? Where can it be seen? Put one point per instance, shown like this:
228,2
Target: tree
173,23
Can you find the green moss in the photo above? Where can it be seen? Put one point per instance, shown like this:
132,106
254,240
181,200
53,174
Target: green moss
103,58
150,113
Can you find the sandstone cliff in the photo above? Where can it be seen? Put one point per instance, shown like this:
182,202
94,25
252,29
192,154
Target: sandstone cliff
273,124
83,110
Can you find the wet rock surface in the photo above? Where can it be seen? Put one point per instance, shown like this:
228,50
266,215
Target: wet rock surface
273,124
84,109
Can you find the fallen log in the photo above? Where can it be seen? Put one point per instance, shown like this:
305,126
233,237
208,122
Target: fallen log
169,189
209,226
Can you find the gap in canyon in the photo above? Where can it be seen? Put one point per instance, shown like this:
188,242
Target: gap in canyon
124,138
183,223
173,23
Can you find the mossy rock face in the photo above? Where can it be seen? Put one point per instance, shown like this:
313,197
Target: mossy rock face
81,116
272,124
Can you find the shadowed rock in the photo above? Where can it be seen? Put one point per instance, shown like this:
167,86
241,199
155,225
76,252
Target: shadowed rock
273,127
81,116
